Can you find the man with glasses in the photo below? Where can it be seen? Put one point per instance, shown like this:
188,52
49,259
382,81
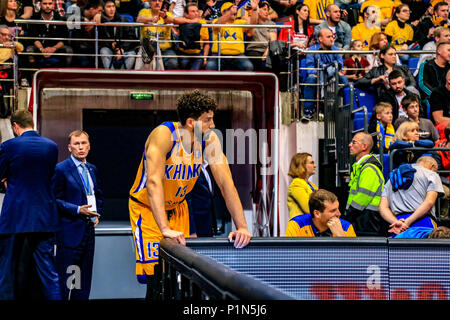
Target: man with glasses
366,185
161,34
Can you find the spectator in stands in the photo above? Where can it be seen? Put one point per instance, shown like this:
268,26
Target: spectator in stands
365,187
400,34
87,14
284,8
377,78
385,7
155,15
411,104
48,47
257,35
317,10
365,30
432,72
6,71
8,13
191,33
377,41
210,9
384,128
440,232
123,50
231,39
313,60
356,61
444,164
440,103
440,34
426,28
301,31
342,32
324,220
403,206
59,6
301,168
407,136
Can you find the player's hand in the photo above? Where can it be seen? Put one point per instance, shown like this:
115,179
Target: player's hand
85,210
336,227
241,237
174,235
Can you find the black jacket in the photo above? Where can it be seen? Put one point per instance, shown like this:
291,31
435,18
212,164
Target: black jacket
118,34
50,31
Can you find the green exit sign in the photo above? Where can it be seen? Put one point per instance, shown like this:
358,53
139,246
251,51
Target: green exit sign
142,95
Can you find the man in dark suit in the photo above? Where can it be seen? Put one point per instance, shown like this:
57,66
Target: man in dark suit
29,216
80,202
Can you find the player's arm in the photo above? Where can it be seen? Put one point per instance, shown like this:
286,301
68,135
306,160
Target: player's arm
222,175
158,144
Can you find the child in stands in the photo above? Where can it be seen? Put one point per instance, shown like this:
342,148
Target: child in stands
384,132
356,64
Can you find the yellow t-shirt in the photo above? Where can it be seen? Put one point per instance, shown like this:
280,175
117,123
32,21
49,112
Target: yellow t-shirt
317,8
386,8
231,39
165,33
361,32
303,226
399,36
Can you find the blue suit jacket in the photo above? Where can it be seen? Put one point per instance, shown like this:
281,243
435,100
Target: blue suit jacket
70,194
28,163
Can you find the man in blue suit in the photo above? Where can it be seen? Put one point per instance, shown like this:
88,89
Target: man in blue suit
80,202
29,216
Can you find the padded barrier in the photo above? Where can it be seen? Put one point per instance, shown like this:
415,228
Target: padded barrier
327,268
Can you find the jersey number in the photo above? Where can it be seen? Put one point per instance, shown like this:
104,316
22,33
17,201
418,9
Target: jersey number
181,192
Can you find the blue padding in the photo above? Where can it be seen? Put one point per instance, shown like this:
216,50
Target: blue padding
412,64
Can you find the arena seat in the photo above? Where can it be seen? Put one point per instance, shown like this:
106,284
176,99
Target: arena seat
361,99
412,63
129,17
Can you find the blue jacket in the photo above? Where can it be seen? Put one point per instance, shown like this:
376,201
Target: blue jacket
311,59
343,34
70,193
28,163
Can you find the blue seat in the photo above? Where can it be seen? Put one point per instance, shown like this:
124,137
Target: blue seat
412,63
386,166
129,17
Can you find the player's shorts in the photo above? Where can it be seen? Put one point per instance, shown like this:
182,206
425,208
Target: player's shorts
147,235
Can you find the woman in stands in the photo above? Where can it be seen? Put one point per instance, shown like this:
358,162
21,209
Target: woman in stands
407,136
8,13
301,31
302,167
400,34
378,41
377,78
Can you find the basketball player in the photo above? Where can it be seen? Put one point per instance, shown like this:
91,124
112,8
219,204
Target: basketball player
168,170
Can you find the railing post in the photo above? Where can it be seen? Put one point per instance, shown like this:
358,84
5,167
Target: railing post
96,47
219,38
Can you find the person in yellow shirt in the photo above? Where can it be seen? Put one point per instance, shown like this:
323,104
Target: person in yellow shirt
190,33
317,10
231,39
385,7
400,34
302,167
324,220
162,34
365,30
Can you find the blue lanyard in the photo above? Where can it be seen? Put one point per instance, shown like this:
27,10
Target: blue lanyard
309,184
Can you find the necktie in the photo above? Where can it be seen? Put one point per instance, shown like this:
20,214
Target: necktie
85,175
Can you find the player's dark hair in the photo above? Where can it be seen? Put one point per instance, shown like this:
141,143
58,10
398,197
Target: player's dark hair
93,4
23,118
441,232
318,198
193,104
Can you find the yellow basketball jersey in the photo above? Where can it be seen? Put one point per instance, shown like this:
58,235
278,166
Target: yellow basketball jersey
181,171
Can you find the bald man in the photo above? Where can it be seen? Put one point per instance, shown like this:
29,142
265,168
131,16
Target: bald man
366,185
